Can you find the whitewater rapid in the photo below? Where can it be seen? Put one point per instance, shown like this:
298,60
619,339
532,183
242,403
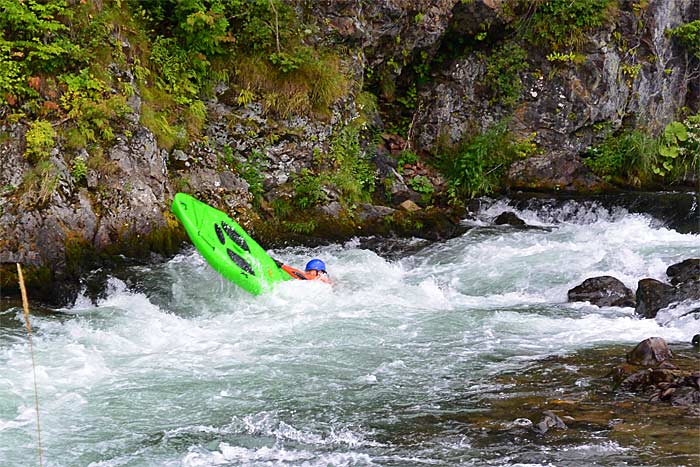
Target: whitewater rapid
176,366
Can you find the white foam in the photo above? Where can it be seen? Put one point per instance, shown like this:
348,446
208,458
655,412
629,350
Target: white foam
308,359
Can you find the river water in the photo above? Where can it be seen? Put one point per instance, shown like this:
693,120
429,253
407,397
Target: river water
420,354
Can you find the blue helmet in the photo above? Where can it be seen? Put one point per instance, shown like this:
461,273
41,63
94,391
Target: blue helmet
315,265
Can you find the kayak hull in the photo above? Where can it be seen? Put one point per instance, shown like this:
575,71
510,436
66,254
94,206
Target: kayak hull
226,246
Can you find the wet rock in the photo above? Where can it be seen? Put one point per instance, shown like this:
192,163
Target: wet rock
602,291
550,420
396,190
689,290
369,212
652,295
684,271
633,381
684,396
650,352
696,340
682,391
332,209
554,172
508,218
661,380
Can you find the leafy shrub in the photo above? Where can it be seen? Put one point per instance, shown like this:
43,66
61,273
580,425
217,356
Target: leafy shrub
421,184
476,166
689,35
406,157
563,24
308,189
79,169
179,73
502,73
40,140
623,158
91,106
40,41
679,148
354,174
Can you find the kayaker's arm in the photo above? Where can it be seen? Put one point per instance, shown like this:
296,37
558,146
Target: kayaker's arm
295,273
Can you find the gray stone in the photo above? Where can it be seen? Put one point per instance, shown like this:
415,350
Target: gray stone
652,295
369,212
602,291
650,352
684,271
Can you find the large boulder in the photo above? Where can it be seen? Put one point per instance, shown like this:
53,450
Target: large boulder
602,291
684,271
653,295
650,352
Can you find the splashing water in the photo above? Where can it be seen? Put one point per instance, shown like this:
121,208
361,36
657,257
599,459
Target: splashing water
184,368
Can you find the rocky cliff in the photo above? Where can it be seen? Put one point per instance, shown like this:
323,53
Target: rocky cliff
432,68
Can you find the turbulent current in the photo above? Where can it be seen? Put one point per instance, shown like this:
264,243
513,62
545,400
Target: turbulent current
410,358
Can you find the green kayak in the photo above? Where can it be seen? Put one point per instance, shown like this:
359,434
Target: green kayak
226,246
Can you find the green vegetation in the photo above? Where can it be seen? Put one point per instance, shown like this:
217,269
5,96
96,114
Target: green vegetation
352,173
502,73
421,184
68,66
251,171
406,157
563,24
345,170
40,183
679,149
625,158
689,35
308,189
475,167
79,169
40,140
634,158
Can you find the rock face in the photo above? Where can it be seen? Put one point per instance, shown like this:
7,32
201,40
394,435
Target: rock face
602,291
567,110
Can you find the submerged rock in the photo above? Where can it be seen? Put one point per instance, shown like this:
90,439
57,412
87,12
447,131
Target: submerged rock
508,218
649,370
550,420
602,291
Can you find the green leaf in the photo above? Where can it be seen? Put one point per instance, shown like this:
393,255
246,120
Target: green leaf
675,131
669,151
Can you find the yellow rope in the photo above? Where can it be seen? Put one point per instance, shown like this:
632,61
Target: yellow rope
25,303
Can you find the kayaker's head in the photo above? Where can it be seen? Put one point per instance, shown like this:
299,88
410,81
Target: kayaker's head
315,267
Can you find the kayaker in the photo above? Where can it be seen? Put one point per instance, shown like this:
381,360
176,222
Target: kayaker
314,270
